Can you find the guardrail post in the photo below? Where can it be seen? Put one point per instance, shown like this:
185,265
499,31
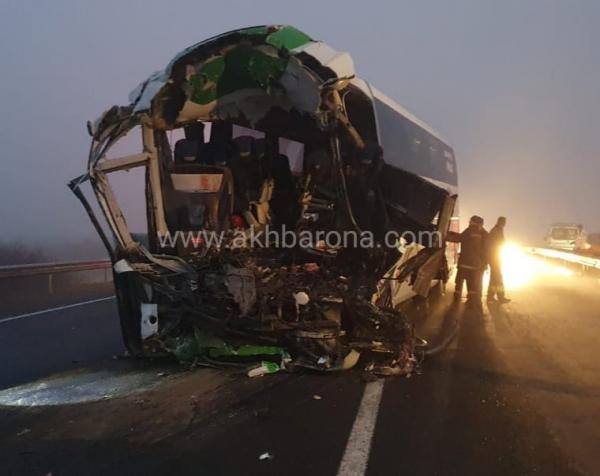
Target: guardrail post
50,284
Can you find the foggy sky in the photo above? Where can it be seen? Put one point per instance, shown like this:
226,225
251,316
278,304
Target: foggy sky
514,86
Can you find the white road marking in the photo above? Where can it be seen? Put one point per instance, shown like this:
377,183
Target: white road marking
44,311
356,456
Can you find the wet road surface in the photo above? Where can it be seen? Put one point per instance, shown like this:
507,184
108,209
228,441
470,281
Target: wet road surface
517,392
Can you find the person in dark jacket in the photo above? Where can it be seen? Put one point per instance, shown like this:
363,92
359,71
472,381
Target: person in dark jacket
472,261
495,243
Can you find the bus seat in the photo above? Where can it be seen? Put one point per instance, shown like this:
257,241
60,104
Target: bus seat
199,197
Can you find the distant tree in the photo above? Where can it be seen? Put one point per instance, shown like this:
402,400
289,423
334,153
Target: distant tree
18,253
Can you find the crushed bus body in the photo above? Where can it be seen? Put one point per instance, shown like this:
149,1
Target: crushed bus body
280,139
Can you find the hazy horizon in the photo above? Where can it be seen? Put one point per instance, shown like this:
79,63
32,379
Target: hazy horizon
513,87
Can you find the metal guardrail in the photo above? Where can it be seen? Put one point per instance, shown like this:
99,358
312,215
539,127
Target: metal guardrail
50,269
586,261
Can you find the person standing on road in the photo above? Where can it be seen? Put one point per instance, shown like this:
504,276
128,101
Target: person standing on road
495,243
471,262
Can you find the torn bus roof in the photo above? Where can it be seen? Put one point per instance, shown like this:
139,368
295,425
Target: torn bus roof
241,75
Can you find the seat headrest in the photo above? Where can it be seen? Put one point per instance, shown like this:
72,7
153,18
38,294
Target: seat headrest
244,145
186,150
259,147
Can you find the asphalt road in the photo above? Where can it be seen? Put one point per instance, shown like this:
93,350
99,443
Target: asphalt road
516,393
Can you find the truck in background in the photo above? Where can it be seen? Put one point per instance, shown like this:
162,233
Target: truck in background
567,237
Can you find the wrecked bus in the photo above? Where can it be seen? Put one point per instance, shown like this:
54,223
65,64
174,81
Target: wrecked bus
277,134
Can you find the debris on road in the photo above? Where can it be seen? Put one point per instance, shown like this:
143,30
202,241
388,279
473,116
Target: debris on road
263,369
298,318
284,317
265,456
